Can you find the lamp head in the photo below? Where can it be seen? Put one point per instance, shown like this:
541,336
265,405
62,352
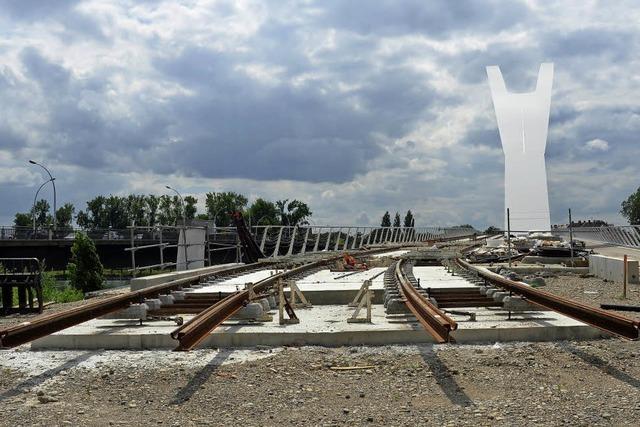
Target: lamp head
168,188
32,162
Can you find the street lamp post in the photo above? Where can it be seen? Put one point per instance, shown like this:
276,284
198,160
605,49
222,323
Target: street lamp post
54,191
33,214
184,221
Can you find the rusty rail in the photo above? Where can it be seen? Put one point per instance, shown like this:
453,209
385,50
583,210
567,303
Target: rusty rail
47,324
609,322
434,321
198,328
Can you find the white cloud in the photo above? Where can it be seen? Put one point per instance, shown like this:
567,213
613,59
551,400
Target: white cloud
354,110
597,145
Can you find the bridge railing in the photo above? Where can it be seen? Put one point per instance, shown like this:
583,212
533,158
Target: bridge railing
619,235
277,241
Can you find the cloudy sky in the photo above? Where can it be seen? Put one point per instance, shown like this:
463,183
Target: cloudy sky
355,107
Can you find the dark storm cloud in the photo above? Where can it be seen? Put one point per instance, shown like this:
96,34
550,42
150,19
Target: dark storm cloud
434,18
318,92
37,9
248,129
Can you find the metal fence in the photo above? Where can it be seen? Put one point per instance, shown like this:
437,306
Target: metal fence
619,235
286,240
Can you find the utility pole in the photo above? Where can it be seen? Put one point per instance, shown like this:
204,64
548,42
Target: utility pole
571,237
509,236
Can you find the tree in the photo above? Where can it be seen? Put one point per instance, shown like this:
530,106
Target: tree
386,220
263,212
64,215
43,218
116,210
85,269
630,208
23,220
95,216
167,214
190,207
292,212
135,207
221,205
152,203
396,220
409,220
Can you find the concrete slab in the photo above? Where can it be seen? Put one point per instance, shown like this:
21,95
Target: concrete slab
144,282
233,283
326,322
324,325
437,277
612,268
391,254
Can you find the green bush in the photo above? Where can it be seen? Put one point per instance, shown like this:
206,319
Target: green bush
85,269
51,292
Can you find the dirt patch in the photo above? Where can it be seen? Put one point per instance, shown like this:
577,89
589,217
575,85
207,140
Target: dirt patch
594,291
577,383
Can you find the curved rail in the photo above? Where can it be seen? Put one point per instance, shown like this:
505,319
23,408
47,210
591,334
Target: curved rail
609,322
47,324
198,328
434,320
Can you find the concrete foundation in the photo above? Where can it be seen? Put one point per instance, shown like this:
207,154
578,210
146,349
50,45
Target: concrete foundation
612,269
326,326
157,279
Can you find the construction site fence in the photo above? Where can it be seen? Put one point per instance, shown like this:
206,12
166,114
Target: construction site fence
289,240
618,235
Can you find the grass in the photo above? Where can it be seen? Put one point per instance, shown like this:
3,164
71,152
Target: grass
52,292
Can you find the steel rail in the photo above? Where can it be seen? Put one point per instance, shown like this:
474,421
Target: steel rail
193,332
47,324
434,321
601,319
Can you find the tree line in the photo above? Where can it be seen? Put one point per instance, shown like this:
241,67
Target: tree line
409,220
118,212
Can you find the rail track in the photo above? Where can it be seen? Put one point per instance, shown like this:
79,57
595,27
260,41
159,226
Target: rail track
606,321
198,328
47,324
438,324
193,332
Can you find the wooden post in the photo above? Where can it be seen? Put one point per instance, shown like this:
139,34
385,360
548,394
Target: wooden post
624,277
281,319
509,236
571,238
365,300
133,244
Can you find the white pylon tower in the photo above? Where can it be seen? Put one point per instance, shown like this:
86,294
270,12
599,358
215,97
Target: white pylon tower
523,122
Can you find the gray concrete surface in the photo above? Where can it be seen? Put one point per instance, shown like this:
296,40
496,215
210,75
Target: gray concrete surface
612,268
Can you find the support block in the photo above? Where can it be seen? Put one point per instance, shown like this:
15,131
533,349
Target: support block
612,269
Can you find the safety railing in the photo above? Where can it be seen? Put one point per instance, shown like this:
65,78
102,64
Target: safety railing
619,235
277,241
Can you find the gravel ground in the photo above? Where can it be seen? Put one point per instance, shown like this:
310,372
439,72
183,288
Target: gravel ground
574,383
594,291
